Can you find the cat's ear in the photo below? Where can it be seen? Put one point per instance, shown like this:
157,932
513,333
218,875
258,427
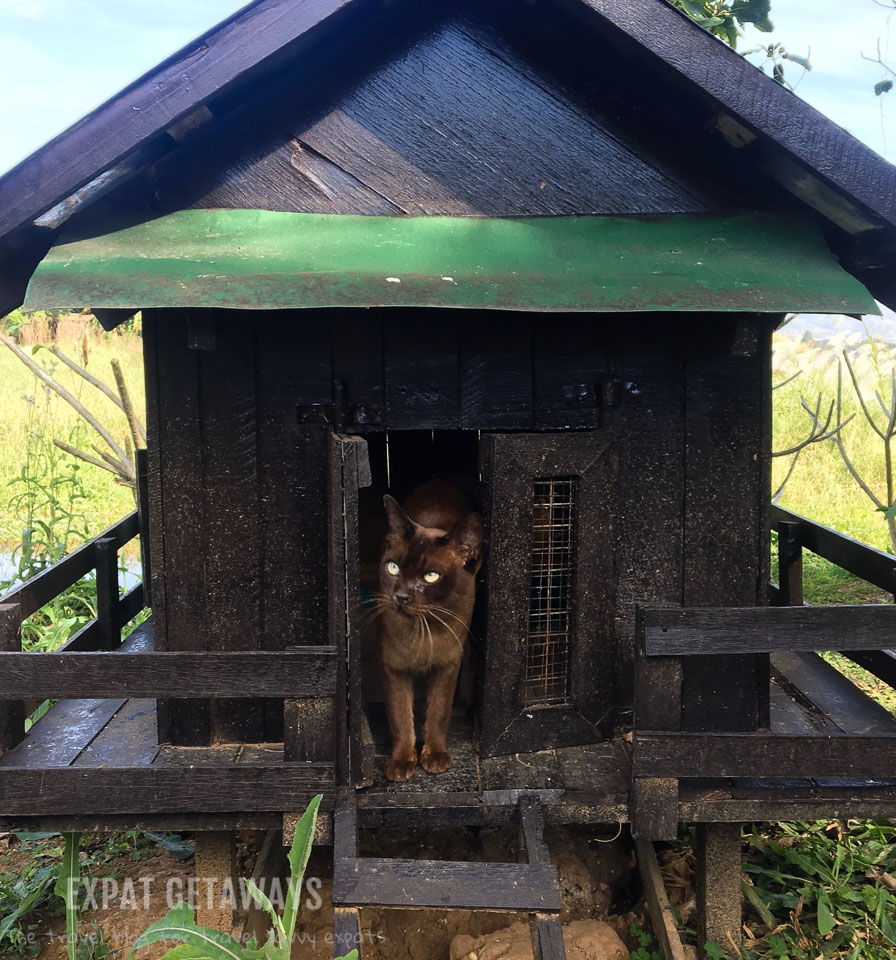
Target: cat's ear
465,537
399,524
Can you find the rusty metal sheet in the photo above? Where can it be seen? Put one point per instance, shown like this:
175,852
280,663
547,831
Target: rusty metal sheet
257,259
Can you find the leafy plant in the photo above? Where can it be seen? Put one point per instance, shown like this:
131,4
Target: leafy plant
725,18
197,942
828,888
25,896
645,941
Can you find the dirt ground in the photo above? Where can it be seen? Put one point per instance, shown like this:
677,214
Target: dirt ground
598,875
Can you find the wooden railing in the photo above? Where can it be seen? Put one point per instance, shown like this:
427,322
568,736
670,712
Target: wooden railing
103,632
664,753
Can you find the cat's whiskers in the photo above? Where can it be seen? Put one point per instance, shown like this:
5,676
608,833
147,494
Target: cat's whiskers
452,614
457,639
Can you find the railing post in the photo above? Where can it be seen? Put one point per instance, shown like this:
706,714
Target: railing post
658,687
790,564
108,620
12,712
143,518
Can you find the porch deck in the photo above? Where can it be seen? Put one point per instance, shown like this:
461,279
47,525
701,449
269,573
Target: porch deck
96,764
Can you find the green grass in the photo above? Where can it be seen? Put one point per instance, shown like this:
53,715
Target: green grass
34,416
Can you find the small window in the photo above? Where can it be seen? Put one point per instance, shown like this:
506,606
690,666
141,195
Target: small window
550,590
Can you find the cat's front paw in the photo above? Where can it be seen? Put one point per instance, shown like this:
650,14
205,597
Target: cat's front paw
401,768
434,761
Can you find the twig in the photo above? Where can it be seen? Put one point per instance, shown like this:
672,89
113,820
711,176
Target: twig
137,431
87,458
92,380
82,411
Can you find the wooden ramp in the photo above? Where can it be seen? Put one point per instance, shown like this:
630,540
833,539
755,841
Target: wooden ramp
531,887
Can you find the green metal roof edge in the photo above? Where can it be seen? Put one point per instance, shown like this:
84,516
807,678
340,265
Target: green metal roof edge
258,259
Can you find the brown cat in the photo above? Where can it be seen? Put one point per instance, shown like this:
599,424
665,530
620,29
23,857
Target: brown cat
427,577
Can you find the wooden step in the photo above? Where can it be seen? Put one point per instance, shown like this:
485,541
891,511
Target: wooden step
445,884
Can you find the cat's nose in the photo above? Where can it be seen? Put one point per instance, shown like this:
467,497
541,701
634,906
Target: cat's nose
401,599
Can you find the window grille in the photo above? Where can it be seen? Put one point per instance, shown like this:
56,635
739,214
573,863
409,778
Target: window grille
550,589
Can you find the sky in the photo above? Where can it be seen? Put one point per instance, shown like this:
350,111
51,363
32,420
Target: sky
61,58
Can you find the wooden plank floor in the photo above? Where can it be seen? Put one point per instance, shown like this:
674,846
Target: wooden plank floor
586,783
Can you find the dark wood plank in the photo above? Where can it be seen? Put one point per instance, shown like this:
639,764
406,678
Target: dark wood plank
12,710
569,356
108,620
57,739
143,511
881,663
762,755
864,561
181,674
654,814
45,586
144,111
790,565
159,789
358,365
421,370
232,532
599,767
725,514
129,739
309,727
835,695
525,771
662,919
547,938
180,582
757,102
444,884
495,138
496,371
346,931
294,369
734,630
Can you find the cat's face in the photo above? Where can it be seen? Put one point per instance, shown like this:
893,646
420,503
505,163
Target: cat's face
423,568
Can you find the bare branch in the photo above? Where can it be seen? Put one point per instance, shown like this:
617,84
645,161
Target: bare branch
92,380
788,475
137,431
861,398
88,459
783,383
82,411
818,432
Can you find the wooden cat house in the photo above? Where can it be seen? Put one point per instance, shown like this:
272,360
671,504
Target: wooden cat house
540,245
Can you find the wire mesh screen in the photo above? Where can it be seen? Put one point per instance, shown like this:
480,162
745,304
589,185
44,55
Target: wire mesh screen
550,589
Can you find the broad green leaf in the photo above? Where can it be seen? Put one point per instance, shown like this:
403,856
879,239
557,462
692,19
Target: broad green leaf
185,952
180,924
350,956
262,900
67,887
37,888
825,917
298,860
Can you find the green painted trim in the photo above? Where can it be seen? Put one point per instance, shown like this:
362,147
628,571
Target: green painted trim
256,259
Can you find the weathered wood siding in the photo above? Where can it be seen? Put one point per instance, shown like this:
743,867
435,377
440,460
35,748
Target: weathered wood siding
239,475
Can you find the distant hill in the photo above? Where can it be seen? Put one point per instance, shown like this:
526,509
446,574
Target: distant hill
824,326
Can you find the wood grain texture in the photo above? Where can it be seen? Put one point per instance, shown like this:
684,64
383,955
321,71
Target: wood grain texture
649,426
654,808
231,546
662,919
729,630
180,674
444,884
77,791
762,755
758,102
180,585
144,110
724,515
866,562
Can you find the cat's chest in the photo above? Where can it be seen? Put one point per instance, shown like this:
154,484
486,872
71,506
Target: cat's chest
418,643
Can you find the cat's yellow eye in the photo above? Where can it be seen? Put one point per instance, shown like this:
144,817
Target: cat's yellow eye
392,567
431,577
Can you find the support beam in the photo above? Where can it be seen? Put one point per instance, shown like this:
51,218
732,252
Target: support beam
719,886
215,866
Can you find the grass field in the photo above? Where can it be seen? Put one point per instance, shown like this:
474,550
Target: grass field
34,416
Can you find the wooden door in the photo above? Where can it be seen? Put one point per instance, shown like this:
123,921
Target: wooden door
547,672
349,470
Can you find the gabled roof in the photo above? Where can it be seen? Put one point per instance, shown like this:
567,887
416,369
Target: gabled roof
816,161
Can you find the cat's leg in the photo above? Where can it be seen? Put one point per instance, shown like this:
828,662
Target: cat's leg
398,691
434,756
